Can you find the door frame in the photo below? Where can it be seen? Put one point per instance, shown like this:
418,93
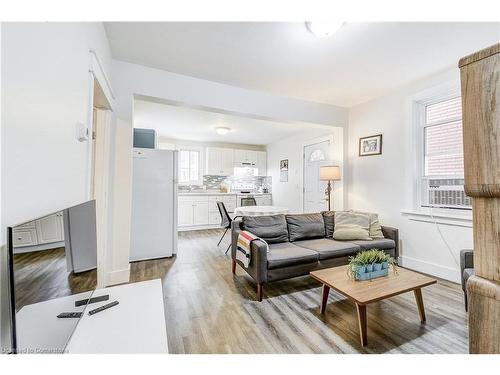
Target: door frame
310,142
99,157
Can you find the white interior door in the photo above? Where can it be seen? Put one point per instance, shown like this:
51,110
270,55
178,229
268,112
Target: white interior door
315,156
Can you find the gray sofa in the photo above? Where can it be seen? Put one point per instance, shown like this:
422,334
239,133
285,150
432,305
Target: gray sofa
299,244
466,269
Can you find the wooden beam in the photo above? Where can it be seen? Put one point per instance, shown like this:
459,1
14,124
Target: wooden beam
480,79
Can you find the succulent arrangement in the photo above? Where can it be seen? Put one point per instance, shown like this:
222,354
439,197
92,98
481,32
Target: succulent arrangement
369,264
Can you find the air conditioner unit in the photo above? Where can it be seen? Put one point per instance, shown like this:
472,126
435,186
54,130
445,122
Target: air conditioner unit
445,193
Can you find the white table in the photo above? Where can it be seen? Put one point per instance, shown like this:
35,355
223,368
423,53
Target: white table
260,211
136,325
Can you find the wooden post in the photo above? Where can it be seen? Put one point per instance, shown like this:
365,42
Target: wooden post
480,81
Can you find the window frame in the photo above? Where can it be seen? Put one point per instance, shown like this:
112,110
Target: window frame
199,180
419,103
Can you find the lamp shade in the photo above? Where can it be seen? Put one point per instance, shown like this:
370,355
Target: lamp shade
329,173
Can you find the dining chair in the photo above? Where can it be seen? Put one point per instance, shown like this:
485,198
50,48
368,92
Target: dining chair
225,221
248,201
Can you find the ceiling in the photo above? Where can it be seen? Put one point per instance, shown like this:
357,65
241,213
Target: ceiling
198,125
358,63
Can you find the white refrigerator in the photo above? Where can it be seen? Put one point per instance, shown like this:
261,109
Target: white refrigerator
154,204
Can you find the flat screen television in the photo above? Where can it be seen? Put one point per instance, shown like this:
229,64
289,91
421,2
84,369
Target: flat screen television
52,264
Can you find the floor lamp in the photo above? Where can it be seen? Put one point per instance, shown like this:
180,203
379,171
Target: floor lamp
329,173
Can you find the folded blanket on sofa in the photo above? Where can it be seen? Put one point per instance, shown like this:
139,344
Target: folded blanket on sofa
243,252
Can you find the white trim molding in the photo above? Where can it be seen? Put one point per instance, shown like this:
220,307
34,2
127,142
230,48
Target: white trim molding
460,220
118,277
437,270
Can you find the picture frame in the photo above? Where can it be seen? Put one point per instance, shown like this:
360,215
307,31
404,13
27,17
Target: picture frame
284,170
371,145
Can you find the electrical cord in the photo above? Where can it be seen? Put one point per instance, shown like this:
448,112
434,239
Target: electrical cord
442,237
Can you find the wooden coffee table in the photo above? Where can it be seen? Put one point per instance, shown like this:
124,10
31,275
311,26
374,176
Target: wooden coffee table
364,292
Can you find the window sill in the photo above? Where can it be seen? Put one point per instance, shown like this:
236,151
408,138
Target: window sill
460,220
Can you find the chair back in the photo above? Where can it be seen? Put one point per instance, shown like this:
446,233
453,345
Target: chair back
248,201
225,218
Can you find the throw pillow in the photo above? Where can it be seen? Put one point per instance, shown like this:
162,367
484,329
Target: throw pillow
375,229
328,218
351,226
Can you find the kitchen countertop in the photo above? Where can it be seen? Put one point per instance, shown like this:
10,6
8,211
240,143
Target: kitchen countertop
214,192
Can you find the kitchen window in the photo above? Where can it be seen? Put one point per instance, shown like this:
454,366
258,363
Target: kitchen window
189,167
440,155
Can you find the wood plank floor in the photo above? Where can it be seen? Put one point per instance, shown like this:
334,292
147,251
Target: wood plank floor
208,310
42,275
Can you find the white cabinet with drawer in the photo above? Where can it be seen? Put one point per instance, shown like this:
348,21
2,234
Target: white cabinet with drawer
47,230
263,200
229,202
24,237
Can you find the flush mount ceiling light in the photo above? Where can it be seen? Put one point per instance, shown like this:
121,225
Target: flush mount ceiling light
222,130
323,29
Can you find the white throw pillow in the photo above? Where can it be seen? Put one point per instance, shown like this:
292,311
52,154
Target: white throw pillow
351,225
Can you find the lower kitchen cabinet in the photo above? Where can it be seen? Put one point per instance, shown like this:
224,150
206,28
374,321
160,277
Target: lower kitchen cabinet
47,230
201,211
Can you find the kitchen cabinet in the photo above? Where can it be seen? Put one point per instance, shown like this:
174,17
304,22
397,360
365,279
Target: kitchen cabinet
263,200
199,211
261,163
213,211
220,161
48,229
192,210
245,158
185,213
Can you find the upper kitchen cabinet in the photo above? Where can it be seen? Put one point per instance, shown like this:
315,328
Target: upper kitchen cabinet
262,163
220,161
245,158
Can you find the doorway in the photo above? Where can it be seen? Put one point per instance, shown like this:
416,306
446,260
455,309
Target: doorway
316,155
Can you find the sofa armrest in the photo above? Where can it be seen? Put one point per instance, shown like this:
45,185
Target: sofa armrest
466,259
258,261
393,234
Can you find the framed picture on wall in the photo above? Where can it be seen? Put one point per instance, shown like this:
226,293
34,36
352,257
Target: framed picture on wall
284,170
371,145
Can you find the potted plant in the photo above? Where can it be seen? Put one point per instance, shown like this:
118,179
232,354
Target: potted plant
369,264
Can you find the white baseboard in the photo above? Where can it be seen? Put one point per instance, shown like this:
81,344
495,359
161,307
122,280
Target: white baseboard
118,276
443,272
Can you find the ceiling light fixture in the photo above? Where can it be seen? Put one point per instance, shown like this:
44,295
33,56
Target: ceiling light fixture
222,130
323,29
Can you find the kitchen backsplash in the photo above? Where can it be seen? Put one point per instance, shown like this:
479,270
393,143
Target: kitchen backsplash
214,182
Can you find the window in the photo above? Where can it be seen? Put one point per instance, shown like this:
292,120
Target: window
189,167
442,159
317,155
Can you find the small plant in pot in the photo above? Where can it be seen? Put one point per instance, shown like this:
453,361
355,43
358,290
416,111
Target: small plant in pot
369,264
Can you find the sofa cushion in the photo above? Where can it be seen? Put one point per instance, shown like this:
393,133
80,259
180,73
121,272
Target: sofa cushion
305,226
328,219
271,229
328,248
287,254
351,225
379,243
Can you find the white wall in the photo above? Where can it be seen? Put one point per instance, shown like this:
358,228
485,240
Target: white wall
384,184
290,194
45,91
